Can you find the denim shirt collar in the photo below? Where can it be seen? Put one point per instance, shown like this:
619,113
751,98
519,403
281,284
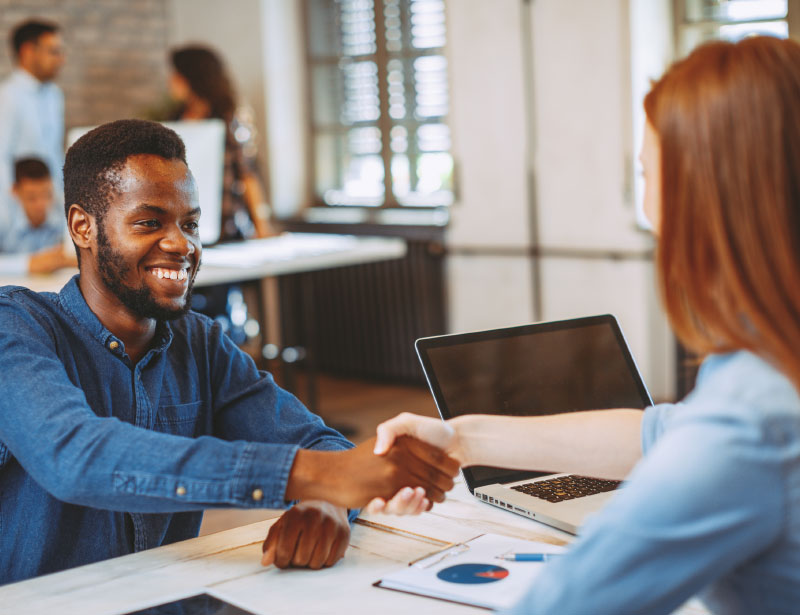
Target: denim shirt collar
71,299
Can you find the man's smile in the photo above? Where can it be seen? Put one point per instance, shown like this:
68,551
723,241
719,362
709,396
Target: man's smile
170,273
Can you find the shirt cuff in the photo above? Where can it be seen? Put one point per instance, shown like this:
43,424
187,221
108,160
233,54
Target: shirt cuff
262,475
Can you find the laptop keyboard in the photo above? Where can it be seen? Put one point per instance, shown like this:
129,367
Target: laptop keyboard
567,487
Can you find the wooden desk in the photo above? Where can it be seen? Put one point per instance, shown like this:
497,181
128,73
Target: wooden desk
228,564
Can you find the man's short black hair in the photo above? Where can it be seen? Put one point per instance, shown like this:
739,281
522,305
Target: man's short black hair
30,31
30,168
92,165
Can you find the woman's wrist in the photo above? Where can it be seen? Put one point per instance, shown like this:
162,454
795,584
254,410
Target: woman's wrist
464,428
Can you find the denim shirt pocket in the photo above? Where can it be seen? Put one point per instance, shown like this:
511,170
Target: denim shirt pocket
179,419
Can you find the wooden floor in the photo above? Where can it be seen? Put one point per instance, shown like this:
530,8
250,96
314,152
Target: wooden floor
358,407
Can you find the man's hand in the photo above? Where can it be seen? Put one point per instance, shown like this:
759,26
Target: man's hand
311,534
354,477
50,260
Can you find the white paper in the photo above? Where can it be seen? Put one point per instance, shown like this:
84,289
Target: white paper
421,578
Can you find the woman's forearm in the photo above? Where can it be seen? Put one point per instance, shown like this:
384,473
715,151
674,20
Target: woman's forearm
254,199
600,443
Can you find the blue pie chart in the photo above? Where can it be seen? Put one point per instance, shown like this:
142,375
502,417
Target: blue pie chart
472,574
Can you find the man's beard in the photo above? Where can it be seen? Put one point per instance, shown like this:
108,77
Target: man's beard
140,300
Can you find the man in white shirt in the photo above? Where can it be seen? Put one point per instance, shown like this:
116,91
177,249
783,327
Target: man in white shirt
32,107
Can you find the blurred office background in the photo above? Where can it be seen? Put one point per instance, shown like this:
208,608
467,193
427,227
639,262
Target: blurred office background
499,137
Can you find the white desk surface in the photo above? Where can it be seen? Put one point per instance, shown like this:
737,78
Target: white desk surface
228,564
259,258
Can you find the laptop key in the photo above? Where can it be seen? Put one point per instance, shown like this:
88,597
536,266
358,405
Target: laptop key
567,487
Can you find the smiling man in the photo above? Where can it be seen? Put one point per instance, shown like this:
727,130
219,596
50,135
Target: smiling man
124,414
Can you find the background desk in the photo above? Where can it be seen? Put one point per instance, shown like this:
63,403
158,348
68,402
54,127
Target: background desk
259,258
228,563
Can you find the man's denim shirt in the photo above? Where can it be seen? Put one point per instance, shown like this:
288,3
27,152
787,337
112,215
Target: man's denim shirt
100,457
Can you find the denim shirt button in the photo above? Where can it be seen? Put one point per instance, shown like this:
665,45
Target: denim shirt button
258,495
113,345
181,490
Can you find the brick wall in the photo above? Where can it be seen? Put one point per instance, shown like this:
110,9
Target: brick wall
116,53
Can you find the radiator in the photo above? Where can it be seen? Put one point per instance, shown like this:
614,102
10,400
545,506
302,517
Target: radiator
363,319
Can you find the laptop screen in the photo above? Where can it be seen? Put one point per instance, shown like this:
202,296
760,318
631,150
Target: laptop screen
532,370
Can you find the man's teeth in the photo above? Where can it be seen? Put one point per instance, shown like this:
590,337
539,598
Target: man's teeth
170,274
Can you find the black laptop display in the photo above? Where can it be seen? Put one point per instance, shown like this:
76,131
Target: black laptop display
546,368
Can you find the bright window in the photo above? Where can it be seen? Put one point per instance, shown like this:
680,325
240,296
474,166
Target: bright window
379,102
702,20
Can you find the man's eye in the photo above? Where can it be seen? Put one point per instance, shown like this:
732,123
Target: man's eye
192,226
148,223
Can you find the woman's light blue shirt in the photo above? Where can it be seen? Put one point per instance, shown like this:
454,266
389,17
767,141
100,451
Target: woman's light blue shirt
712,509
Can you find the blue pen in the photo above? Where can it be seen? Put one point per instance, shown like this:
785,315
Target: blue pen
528,557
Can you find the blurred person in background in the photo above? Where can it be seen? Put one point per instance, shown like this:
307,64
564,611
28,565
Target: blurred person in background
200,86
33,241
201,89
32,107
712,496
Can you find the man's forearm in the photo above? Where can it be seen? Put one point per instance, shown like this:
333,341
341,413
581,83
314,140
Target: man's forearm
601,443
308,479
353,477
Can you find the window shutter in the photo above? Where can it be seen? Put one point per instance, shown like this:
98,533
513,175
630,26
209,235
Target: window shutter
380,102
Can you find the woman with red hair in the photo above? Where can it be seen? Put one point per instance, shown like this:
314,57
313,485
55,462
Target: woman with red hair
711,504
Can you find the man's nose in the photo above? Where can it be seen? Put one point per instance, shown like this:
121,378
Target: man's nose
177,241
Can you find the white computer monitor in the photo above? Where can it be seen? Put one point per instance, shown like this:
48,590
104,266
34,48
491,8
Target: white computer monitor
205,155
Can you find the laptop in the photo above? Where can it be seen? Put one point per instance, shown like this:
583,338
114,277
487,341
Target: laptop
534,370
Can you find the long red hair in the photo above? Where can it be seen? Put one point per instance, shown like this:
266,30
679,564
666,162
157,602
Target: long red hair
728,123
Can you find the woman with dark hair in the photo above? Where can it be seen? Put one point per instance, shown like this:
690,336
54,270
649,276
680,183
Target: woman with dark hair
200,85
711,504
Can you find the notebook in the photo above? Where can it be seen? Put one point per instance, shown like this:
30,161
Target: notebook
473,572
533,370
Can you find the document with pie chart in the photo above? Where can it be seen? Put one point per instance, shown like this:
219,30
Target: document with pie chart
472,573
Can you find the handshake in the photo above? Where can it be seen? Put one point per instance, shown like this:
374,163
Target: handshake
404,470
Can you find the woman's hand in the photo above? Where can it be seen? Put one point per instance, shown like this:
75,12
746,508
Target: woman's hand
435,432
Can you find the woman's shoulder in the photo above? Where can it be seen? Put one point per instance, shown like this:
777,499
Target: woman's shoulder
746,395
746,379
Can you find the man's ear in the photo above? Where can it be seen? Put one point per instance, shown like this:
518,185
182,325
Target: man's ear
26,51
82,226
